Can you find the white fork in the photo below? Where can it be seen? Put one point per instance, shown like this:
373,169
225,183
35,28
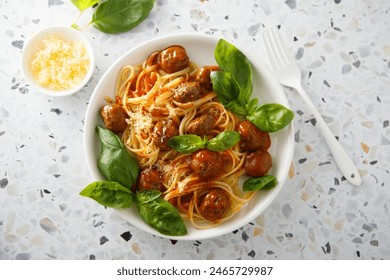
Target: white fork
287,72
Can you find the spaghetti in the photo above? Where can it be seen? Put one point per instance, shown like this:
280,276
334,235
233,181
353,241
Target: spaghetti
168,95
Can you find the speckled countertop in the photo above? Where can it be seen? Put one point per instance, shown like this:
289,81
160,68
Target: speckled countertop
343,49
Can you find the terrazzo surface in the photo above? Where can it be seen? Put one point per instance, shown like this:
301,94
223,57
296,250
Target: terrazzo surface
343,49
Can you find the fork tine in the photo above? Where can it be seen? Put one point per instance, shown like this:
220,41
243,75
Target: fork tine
277,52
281,46
270,49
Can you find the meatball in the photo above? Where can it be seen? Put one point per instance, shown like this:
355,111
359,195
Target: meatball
258,163
163,131
214,204
173,59
149,179
203,77
114,117
187,92
252,138
201,125
207,164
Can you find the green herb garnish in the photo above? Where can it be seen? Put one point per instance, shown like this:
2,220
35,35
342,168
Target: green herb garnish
261,183
189,143
110,194
115,16
159,213
115,162
233,86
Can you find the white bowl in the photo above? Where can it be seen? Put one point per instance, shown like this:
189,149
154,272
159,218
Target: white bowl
36,41
200,49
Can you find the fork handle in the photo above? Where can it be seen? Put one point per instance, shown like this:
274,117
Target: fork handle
344,162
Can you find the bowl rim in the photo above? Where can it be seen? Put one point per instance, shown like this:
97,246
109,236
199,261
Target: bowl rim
66,33
91,121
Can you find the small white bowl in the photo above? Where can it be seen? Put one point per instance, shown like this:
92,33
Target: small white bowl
36,41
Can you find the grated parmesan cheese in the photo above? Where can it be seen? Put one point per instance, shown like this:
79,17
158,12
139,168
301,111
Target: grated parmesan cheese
60,65
141,122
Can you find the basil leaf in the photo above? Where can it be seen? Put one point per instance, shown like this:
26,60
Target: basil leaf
265,182
233,87
223,141
146,196
228,90
187,143
271,117
117,16
115,162
235,107
84,4
109,194
225,85
251,105
230,59
160,214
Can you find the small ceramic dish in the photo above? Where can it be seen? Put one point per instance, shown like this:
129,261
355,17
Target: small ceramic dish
57,61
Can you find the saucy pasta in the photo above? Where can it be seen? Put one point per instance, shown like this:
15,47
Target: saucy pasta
167,96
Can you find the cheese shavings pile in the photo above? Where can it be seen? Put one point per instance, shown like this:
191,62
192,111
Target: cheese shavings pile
60,65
